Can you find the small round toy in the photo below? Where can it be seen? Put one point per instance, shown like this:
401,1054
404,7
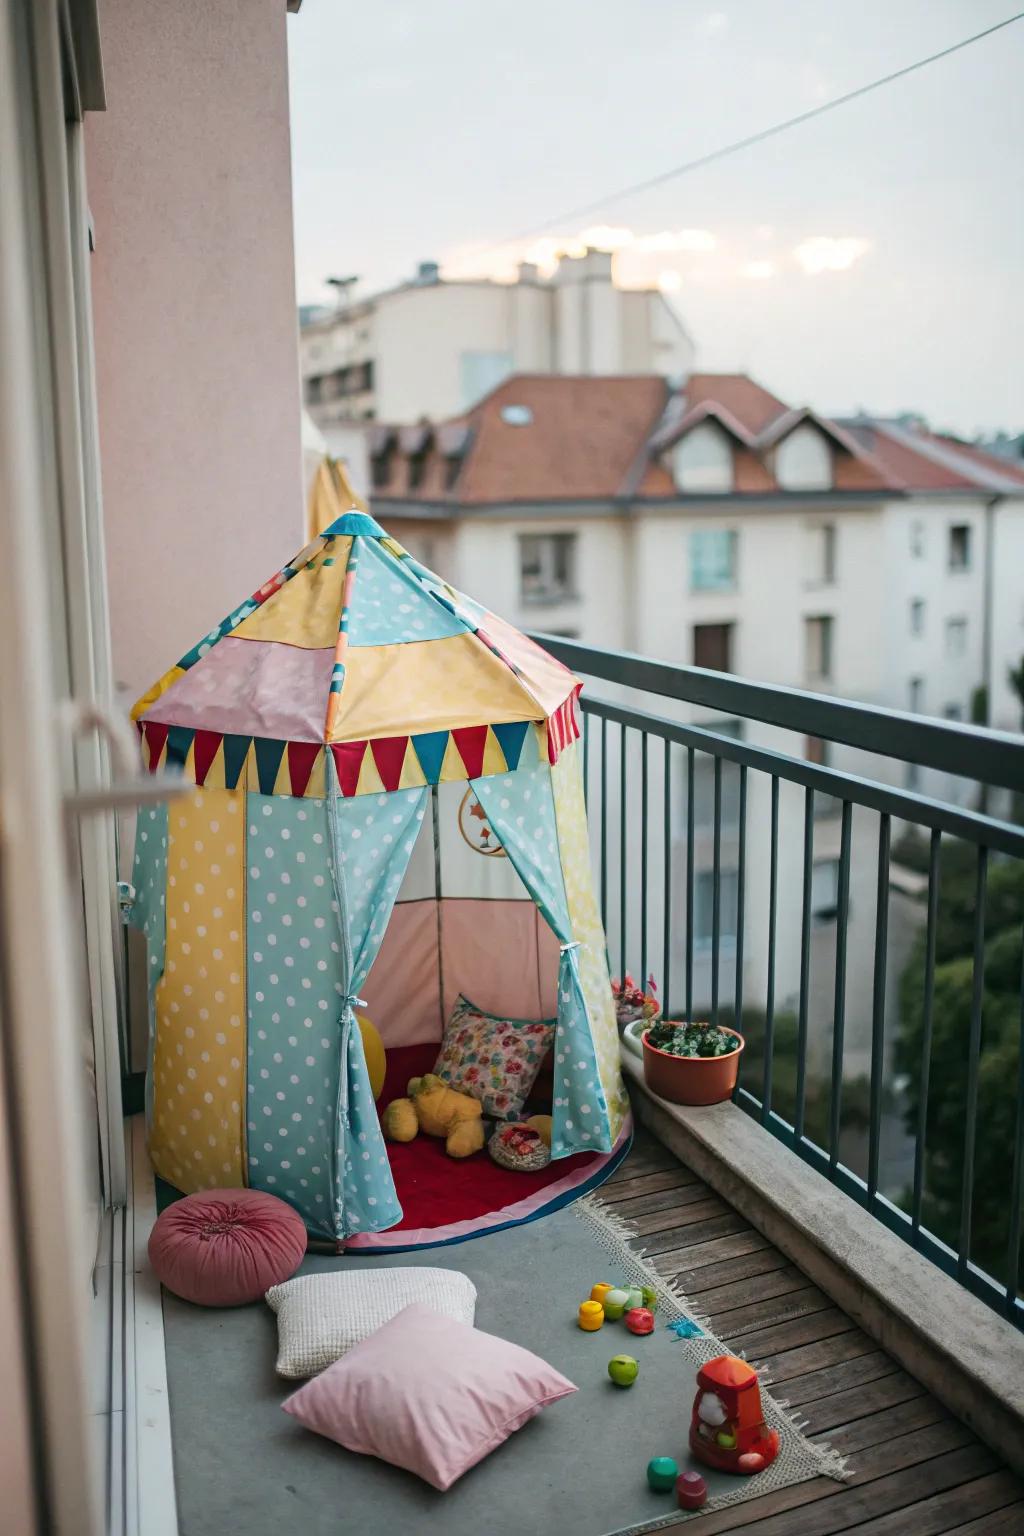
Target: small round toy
591,1316
615,1303
661,1474
600,1290
691,1490
623,1370
636,1297
639,1320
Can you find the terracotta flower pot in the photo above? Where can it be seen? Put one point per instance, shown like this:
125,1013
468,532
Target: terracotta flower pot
692,1079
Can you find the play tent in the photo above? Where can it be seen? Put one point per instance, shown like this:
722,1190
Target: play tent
365,743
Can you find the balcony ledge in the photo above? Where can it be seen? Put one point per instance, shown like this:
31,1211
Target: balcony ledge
954,1344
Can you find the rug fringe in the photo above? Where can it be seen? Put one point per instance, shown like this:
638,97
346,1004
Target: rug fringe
615,1234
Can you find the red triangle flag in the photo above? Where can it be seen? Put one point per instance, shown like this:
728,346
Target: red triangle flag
348,759
301,757
204,752
156,739
471,741
389,755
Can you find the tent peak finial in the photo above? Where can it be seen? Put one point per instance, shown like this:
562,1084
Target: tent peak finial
355,522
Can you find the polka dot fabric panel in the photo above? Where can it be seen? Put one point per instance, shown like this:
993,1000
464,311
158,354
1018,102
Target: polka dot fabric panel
389,606
579,1111
521,809
149,915
295,992
196,1132
584,914
522,812
375,836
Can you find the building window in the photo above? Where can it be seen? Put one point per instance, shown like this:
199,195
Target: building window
703,460
956,638
547,567
380,467
960,547
803,461
713,559
954,711
818,647
712,647
915,695
704,907
417,468
917,539
825,890
917,616
820,554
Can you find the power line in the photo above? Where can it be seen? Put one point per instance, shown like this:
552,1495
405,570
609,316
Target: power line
635,188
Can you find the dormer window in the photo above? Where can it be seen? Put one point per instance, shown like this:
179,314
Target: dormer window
703,460
803,461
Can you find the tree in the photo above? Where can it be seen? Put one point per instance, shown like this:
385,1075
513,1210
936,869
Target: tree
951,1023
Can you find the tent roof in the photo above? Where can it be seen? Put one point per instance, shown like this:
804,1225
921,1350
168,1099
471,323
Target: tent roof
357,648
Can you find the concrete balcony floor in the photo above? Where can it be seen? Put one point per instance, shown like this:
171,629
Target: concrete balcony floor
917,1470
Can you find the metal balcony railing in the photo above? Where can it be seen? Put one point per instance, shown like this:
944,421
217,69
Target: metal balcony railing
901,950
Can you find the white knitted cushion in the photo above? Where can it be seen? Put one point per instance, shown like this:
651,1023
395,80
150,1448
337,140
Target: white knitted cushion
321,1317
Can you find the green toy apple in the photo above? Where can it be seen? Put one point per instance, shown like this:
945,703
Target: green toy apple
623,1370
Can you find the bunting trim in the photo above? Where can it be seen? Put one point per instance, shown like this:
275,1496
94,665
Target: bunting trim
384,763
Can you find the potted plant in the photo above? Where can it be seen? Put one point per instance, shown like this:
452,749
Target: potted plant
632,1003
691,1063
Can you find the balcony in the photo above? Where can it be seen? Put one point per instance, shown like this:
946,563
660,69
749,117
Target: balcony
837,1222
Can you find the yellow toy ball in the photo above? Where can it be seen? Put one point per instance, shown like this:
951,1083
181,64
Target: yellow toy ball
373,1050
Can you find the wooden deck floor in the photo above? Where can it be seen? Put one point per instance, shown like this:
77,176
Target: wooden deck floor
917,1471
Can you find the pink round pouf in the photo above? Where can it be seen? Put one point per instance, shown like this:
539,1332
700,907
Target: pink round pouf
224,1247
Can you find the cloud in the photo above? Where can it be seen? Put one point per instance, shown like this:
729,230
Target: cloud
829,253
712,24
758,269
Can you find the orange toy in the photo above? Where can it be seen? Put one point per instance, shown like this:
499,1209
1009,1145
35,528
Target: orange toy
727,1429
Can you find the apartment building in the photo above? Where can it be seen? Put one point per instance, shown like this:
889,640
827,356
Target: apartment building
718,527
432,347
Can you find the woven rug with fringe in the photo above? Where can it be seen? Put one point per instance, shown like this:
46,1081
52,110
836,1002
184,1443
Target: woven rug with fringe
799,1458
578,1468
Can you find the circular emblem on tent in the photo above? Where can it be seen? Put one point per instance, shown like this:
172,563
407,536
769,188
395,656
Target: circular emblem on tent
475,826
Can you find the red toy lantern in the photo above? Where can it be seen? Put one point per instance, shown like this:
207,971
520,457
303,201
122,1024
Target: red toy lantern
639,1320
727,1429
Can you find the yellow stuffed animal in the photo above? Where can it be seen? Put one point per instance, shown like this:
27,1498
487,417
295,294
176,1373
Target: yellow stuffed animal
437,1110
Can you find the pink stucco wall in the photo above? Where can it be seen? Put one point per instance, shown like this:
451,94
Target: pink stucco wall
194,310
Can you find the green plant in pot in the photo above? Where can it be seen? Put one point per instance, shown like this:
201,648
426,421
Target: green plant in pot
691,1062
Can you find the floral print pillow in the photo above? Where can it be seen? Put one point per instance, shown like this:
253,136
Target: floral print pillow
495,1060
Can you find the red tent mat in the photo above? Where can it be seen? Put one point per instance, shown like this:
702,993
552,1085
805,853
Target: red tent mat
447,1200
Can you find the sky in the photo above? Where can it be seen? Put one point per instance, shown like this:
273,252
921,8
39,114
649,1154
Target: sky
870,259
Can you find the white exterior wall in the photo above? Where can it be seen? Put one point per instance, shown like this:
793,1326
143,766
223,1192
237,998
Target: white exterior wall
193,297
1006,711
416,335
486,557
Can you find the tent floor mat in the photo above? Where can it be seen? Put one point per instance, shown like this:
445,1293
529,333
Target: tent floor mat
448,1200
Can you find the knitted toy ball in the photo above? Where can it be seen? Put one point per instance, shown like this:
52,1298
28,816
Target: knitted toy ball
519,1147
224,1247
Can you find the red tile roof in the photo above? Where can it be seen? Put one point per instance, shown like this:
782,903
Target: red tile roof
558,437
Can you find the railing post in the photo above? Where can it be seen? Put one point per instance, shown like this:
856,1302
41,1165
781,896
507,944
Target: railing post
805,967
878,1003
924,1071
769,1011
973,1062
839,1004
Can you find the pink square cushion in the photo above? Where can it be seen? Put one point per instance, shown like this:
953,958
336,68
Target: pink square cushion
429,1394
224,1247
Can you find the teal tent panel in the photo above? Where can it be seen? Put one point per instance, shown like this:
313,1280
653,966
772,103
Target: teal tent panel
372,839
521,809
389,606
295,992
149,913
